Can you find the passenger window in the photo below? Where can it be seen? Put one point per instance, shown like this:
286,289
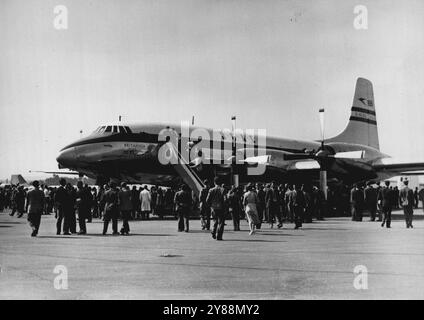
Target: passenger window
108,129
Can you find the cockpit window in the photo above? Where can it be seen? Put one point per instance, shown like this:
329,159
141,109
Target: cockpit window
128,129
108,129
121,129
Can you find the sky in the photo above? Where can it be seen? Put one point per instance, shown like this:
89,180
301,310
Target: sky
273,64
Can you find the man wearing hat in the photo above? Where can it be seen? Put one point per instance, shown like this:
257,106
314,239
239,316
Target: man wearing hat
35,206
111,201
183,202
125,205
370,195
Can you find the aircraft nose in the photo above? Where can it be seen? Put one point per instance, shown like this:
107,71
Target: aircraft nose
66,158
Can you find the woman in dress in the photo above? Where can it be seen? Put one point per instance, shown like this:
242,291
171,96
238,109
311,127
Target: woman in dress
250,200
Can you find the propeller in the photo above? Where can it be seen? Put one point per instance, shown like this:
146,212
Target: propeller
325,152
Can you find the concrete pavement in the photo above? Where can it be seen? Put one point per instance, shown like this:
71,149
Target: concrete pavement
157,262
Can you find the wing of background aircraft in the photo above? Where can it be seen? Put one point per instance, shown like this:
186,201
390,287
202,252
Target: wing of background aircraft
57,172
396,167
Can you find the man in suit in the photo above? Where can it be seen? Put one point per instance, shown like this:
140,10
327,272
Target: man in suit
111,201
215,201
386,199
205,213
407,199
125,205
357,202
272,204
83,205
370,195
183,201
35,207
62,202
299,205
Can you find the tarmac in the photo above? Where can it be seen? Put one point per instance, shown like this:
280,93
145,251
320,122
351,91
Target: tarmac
157,262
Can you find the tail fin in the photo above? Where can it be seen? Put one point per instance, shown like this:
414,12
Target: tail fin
362,126
17,179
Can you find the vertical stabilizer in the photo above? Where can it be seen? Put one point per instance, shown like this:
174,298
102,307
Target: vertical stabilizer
362,125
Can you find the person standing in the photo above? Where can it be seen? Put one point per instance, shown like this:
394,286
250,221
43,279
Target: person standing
407,199
288,196
250,201
20,201
35,207
82,204
205,212
234,207
72,205
386,198
357,202
421,197
416,198
111,200
125,205
271,202
261,203
154,197
145,200
135,201
183,201
62,202
299,204
370,197
215,200
159,202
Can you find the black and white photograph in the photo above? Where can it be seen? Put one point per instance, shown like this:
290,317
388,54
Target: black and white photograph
208,155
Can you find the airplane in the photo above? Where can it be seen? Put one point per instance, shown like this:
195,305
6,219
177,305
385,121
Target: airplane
129,152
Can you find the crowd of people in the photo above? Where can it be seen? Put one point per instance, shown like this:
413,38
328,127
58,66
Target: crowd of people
272,203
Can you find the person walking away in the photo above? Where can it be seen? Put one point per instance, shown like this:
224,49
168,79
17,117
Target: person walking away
386,199
125,205
357,202
111,200
145,200
299,204
271,202
35,207
234,207
205,211
370,197
183,203
250,201
379,205
407,200
215,201
20,201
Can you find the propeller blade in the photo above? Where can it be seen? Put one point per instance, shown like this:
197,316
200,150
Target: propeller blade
350,155
298,156
321,120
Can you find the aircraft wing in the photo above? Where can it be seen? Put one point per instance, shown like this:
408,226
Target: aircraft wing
393,166
57,172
